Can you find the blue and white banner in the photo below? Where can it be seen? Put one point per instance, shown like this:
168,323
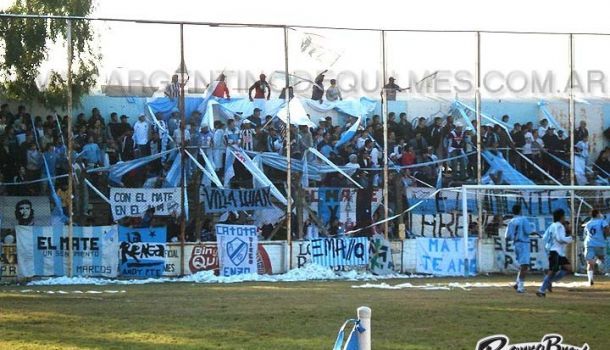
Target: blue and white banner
342,204
142,251
237,248
44,251
445,256
218,200
136,201
339,252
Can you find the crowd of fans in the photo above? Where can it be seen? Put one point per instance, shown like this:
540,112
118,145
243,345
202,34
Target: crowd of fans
34,147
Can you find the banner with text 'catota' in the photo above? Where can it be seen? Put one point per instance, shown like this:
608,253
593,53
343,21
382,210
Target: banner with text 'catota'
237,248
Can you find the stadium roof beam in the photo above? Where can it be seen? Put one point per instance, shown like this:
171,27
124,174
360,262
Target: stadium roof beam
279,26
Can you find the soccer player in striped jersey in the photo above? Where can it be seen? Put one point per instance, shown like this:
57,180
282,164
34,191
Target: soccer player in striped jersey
596,231
518,230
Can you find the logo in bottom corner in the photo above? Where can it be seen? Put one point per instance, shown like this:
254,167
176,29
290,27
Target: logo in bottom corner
548,342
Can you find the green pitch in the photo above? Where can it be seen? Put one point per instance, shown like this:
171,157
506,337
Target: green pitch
294,315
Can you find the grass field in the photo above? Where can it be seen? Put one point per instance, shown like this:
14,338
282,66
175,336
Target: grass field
294,315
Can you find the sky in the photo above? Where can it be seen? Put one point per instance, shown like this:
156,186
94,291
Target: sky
147,54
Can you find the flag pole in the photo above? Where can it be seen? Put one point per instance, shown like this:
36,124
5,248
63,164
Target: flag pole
572,126
69,150
477,102
384,114
288,153
182,152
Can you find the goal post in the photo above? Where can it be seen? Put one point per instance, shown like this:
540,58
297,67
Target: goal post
497,201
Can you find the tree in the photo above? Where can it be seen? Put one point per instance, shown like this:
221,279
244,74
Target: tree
27,41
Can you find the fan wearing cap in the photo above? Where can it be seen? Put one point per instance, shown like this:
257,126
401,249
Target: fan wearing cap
390,89
272,140
124,125
247,135
261,88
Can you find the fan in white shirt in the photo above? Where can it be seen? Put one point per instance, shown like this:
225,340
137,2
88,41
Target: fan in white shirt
141,131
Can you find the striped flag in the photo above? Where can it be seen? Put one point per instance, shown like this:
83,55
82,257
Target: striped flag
44,251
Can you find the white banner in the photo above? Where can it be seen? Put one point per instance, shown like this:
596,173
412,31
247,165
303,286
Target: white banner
135,201
44,251
445,256
237,248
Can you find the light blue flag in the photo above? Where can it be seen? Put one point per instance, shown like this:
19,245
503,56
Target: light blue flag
439,178
509,174
348,134
58,212
229,169
118,170
352,340
173,175
461,106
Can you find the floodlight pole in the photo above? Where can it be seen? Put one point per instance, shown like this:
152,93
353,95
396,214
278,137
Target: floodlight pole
572,126
288,153
182,152
69,149
384,114
477,102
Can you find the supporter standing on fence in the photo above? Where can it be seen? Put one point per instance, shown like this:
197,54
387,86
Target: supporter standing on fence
221,90
317,92
261,89
172,90
518,231
390,89
333,93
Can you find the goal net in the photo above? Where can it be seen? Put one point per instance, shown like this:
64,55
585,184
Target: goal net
485,210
